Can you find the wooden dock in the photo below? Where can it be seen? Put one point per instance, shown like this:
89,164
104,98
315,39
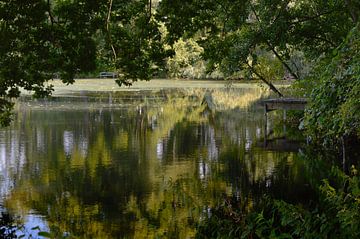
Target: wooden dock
284,104
281,104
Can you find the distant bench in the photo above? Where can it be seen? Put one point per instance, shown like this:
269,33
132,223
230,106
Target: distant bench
284,104
106,74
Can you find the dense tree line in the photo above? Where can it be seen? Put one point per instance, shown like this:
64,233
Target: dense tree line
40,38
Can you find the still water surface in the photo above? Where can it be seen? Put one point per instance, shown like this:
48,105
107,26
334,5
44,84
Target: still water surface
140,164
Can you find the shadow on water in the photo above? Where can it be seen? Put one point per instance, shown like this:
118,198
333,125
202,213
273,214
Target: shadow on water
8,226
141,165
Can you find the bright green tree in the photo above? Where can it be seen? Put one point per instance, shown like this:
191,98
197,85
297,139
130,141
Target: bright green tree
232,31
40,38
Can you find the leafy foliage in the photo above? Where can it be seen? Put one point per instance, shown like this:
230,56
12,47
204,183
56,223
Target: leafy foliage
187,62
268,65
337,215
230,32
42,38
334,112
136,41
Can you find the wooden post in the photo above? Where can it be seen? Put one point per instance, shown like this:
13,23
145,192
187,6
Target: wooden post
343,153
266,121
284,122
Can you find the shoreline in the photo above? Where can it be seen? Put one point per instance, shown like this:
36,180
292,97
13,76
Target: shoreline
109,85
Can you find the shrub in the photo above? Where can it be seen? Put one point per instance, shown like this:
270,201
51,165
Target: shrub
186,63
334,111
335,215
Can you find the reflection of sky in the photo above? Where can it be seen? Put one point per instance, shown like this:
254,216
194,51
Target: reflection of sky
248,141
2,158
153,122
40,140
201,162
68,139
12,159
32,221
160,149
213,151
5,182
204,170
83,146
258,133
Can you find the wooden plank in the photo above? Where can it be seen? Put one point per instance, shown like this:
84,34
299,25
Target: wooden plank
285,104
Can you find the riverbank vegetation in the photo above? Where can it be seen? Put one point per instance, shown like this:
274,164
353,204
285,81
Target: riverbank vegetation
144,39
314,43
335,215
331,122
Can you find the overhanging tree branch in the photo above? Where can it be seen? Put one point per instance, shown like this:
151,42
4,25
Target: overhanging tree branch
272,48
282,60
268,83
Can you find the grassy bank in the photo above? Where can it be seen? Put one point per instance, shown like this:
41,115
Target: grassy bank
155,84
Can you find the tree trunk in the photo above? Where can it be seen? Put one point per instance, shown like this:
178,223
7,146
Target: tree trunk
282,61
108,28
268,83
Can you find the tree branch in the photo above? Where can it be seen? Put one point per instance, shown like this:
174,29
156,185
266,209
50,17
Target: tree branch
283,6
150,9
312,18
273,48
282,60
323,39
50,14
268,83
108,28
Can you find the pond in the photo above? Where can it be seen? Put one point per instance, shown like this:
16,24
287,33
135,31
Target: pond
141,164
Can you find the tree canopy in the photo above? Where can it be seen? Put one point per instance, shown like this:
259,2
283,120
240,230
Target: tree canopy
41,38
233,31
64,37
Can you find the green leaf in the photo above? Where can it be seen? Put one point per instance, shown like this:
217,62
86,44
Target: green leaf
45,234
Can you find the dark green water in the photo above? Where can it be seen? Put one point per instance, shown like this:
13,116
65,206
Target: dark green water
140,164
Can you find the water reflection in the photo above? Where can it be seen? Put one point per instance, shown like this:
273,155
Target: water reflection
150,169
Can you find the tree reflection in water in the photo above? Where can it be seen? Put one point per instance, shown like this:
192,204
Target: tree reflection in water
151,168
